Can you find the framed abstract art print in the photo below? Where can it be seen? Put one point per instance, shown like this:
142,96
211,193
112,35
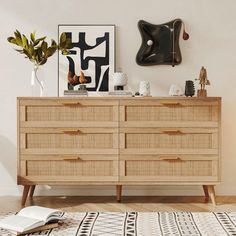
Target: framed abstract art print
90,61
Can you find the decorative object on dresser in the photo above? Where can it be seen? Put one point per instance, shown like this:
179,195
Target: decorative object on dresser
175,90
144,88
160,43
189,88
119,141
79,92
93,52
38,51
82,90
119,81
203,81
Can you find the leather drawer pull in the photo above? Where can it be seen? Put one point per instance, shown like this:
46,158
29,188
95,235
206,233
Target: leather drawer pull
71,159
171,132
76,131
170,158
171,103
71,103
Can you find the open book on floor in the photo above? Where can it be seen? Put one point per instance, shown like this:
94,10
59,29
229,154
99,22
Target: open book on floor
32,217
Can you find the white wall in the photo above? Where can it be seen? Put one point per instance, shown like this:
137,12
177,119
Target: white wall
212,28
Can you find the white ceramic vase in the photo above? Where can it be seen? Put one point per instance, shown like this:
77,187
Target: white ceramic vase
37,85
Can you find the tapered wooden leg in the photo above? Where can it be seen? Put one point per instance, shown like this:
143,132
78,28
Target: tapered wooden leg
211,192
205,189
25,194
31,192
118,192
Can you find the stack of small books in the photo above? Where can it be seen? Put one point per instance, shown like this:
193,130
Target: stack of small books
78,92
32,219
120,93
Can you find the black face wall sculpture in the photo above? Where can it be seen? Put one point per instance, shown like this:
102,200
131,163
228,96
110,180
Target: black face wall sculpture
160,43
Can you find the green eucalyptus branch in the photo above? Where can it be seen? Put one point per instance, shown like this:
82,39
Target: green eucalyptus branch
38,50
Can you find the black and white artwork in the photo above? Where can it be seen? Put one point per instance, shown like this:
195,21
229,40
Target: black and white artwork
91,59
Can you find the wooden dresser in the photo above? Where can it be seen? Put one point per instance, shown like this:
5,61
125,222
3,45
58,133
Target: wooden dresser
119,141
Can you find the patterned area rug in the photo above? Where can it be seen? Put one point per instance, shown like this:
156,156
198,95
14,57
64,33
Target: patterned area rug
144,224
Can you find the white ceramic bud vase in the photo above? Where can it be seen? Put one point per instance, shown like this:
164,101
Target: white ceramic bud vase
144,88
37,85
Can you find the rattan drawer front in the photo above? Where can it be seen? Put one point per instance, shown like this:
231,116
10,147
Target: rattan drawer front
168,168
69,141
179,113
39,140
150,113
88,113
100,113
156,139
68,170
159,140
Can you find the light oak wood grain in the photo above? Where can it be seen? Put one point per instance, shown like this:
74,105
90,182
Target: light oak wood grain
128,203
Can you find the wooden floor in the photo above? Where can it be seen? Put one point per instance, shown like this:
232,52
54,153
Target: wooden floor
70,204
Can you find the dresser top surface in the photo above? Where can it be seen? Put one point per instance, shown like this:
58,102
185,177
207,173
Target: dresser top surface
121,98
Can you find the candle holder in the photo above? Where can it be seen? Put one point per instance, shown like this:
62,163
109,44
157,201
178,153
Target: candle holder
189,88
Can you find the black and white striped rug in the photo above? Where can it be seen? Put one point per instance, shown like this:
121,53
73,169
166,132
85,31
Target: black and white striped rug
144,224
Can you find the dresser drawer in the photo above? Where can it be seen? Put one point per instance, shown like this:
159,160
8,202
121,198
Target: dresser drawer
168,112
69,112
69,140
169,140
69,167
168,168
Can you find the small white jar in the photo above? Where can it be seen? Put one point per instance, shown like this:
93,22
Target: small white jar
144,88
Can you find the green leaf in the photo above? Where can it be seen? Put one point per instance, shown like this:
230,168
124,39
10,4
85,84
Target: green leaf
20,51
44,47
17,34
26,52
36,42
12,40
51,51
62,42
53,43
32,36
25,43
31,50
42,39
43,61
9,39
39,53
65,52
37,60
68,44
63,37
19,41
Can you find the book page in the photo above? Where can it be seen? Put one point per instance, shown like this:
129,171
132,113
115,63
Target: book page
19,223
40,213
40,228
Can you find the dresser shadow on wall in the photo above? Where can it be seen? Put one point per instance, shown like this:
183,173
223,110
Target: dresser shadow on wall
8,156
